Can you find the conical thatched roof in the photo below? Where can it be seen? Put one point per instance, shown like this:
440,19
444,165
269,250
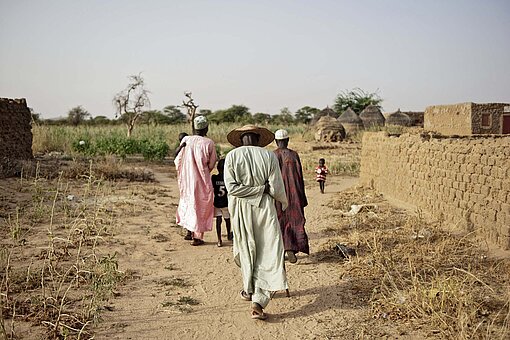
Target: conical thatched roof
372,116
325,112
351,121
329,129
398,118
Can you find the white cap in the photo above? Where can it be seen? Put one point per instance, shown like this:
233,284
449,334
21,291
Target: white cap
281,134
200,122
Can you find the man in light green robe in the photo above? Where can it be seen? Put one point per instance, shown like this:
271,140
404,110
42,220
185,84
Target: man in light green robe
253,181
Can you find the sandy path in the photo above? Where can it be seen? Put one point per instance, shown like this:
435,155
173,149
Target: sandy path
321,306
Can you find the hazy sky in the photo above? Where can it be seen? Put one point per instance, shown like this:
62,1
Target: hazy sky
263,54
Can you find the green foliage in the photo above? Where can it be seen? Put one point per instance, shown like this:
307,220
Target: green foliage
357,99
236,113
261,118
305,114
174,115
115,144
285,117
153,150
77,115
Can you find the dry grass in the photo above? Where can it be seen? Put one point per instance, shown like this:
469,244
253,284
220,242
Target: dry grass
415,271
54,276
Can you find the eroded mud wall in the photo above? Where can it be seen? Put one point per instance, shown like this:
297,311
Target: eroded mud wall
465,180
15,134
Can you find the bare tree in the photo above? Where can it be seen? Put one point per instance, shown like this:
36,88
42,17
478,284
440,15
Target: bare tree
191,107
131,102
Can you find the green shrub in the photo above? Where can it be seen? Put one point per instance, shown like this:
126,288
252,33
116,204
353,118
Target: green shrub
151,149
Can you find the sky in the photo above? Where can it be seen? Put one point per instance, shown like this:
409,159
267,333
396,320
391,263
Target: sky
263,54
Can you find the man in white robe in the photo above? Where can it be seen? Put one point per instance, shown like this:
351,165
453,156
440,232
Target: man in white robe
254,181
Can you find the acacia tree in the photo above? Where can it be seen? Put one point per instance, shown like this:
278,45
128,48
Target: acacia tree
174,114
77,115
191,108
305,114
357,100
131,102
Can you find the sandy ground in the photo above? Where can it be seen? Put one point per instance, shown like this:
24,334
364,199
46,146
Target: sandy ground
166,268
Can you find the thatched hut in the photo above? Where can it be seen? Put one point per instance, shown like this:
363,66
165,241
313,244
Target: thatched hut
351,121
329,112
398,118
329,129
372,116
416,117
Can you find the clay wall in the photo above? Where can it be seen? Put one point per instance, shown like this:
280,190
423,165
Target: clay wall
466,180
15,134
449,119
464,119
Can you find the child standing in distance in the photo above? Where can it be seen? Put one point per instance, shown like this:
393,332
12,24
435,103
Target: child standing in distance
321,172
221,202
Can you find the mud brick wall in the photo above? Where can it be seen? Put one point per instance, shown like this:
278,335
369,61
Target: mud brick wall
495,111
15,134
463,119
466,180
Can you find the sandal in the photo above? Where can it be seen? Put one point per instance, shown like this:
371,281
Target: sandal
197,242
257,313
291,256
188,236
245,296
219,244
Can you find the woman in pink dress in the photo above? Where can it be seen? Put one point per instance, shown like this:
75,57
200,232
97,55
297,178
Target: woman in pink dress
196,159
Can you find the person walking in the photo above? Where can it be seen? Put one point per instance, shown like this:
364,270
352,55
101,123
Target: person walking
221,202
254,182
292,220
194,163
321,172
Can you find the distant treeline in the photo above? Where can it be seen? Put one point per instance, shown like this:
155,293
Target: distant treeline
173,115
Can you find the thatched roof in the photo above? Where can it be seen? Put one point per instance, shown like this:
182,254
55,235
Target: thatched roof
350,117
329,129
325,112
351,121
398,118
372,116
416,117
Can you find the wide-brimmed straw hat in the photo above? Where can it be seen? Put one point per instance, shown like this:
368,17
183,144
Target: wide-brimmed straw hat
266,136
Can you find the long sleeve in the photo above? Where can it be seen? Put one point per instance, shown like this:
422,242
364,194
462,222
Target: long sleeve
213,156
276,185
237,189
301,180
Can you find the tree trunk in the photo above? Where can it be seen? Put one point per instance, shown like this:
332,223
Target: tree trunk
130,129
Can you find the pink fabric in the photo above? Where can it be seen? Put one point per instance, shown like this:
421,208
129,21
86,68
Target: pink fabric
194,164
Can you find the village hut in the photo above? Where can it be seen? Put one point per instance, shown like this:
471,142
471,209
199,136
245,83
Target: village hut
325,112
398,118
372,116
329,129
350,121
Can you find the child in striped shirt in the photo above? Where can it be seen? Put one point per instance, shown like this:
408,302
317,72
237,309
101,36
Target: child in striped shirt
321,172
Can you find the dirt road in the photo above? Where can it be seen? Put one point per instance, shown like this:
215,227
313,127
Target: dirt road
184,292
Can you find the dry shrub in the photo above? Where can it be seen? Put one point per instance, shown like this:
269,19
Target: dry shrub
109,168
416,271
